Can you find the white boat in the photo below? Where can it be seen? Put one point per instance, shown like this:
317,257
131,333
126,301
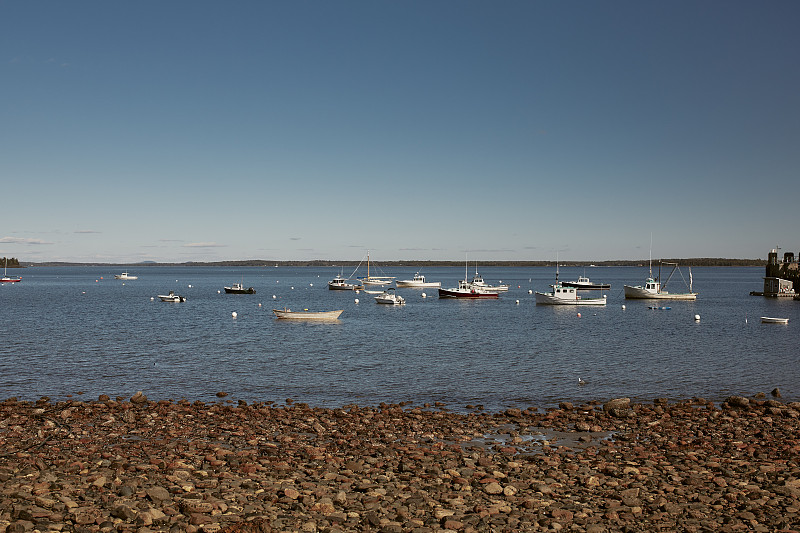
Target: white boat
654,290
418,281
307,315
125,276
390,296
171,297
584,284
562,295
375,280
6,278
477,281
774,320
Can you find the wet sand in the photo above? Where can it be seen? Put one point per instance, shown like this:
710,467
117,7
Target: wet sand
137,465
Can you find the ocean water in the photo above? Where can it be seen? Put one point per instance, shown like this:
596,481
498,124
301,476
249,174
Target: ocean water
75,332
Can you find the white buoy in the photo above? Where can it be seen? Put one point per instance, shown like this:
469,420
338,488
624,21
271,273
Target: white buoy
273,296
151,298
424,295
190,286
311,284
530,291
517,302
259,304
356,300
623,307
697,318
219,292
579,315
292,288
234,315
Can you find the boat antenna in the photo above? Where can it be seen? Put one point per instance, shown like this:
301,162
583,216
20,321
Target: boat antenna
650,260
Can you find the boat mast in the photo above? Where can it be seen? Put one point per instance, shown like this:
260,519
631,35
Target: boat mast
556,267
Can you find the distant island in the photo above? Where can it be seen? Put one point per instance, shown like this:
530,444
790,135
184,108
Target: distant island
703,261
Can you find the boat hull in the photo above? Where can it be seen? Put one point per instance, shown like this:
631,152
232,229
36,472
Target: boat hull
774,320
229,290
10,280
640,293
419,284
587,286
389,301
467,294
172,299
307,315
543,298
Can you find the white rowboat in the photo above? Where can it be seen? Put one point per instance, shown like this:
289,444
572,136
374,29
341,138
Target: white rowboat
307,315
773,320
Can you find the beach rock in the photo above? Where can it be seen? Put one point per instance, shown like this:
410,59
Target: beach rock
738,402
139,398
617,403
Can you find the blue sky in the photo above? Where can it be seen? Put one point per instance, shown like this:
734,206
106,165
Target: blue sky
196,130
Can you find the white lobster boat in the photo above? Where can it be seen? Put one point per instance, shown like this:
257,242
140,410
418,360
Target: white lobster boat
563,295
418,281
653,289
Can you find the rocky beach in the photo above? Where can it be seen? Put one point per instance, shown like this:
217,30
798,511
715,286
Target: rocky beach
135,465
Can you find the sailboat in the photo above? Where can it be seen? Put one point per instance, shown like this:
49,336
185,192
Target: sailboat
375,280
653,289
5,278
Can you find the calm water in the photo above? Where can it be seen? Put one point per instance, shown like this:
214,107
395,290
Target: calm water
70,331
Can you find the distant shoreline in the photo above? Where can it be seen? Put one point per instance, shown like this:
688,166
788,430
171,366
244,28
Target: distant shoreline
261,263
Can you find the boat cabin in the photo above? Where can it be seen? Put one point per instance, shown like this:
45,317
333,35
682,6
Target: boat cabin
778,287
652,285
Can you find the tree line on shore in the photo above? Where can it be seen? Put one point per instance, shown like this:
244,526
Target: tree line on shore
11,262
703,261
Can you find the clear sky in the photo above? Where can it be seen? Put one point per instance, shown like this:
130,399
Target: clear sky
512,130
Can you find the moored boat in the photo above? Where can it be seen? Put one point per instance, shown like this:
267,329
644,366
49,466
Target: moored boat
562,295
171,297
125,276
469,290
375,280
238,288
390,296
477,281
653,289
584,284
774,320
418,281
343,284
307,315
6,278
